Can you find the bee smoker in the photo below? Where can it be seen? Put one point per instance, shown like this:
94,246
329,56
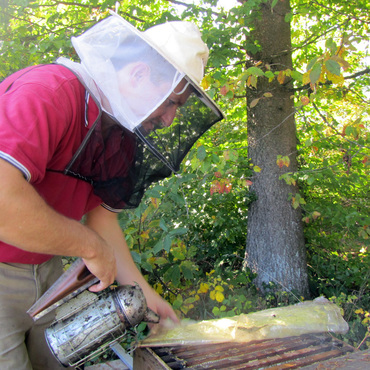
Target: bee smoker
86,324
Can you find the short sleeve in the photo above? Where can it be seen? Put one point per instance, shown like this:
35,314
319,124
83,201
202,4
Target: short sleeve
36,114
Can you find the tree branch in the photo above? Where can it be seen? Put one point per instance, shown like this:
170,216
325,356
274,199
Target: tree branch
347,15
56,3
334,128
176,2
358,74
328,83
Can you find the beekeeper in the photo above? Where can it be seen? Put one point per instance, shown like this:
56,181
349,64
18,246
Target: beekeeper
87,139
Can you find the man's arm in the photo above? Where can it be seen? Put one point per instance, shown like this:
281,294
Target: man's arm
27,222
105,223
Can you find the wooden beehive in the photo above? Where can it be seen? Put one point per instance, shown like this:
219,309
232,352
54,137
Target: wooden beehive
285,353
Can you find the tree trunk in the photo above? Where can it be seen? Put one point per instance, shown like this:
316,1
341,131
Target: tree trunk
275,243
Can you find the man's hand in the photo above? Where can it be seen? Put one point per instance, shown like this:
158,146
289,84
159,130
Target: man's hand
103,266
156,303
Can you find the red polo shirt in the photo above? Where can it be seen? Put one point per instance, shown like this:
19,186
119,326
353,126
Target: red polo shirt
42,123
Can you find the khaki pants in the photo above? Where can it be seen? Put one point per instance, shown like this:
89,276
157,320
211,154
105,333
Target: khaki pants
22,341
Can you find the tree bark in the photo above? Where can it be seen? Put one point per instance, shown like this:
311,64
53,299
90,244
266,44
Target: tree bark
275,242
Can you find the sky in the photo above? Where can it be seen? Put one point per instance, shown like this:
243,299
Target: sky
226,4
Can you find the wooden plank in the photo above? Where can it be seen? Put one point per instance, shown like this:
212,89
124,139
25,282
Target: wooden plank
109,365
264,360
146,359
264,352
357,360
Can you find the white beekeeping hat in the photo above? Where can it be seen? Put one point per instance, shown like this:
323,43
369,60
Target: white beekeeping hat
154,107
172,51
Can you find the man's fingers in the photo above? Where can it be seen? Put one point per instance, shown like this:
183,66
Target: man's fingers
98,287
174,318
101,285
104,270
169,314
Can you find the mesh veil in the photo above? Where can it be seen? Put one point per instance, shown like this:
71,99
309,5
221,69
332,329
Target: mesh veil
121,165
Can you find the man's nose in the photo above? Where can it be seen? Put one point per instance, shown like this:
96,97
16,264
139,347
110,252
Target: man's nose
168,116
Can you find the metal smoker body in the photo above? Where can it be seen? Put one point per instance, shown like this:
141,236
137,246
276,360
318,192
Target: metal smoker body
88,324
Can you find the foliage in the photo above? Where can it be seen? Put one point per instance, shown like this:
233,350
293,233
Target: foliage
188,235
343,277
357,317
188,224
33,32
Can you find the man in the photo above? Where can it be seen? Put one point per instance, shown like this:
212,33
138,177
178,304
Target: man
87,139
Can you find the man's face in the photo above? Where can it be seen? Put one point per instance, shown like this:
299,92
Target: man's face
164,115
138,92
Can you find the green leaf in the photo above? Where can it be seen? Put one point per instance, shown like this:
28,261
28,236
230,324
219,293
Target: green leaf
187,269
158,247
167,243
311,63
136,257
315,73
141,327
333,67
160,261
154,224
310,180
178,254
162,225
185,178
297,76
331,45
52,18
177,198
190,300
229,94
233,155
178,231
215,158
201,153
257,169
295,203
153,193
269,74
349,130
254,71
172,275
129,240
146,266
177,303
288,17
216,311
159,188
